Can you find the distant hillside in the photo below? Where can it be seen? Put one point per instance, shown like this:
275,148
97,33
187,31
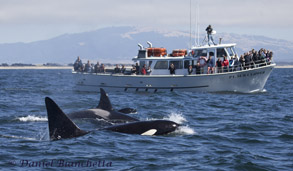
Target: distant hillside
119,44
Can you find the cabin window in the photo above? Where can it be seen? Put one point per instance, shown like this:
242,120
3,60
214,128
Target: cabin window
141,54
150,63
177,64
202,52
230,51
186,64
221,52
161,65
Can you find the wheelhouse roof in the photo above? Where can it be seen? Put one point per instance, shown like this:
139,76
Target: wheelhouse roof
185,57
213,46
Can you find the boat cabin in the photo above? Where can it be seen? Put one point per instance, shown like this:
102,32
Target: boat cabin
159,60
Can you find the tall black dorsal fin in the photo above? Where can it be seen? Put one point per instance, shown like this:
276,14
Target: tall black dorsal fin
60,126
105,103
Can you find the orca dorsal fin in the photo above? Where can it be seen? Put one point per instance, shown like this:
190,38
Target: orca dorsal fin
60,126
105,103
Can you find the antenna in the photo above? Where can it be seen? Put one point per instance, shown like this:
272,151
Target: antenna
190,44
197,22
196,30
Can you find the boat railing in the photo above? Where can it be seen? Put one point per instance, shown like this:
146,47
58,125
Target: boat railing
241,66
203,69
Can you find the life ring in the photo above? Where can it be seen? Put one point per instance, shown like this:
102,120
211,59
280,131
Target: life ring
202,61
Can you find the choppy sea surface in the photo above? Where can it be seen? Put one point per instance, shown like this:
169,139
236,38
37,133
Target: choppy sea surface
221,131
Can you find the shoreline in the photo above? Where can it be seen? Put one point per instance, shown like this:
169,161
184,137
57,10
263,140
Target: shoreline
35,67
70,67
284,66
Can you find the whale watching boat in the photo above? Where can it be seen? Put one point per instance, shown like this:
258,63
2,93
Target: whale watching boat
234,77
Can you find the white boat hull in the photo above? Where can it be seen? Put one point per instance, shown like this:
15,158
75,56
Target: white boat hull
245,81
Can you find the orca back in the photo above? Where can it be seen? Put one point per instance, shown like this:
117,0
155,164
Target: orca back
156,127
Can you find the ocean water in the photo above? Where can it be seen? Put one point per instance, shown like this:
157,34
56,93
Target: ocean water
221,131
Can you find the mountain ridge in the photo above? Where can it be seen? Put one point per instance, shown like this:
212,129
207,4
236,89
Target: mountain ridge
119,44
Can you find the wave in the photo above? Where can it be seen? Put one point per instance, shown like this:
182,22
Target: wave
186,130
18,137
32,118
176,117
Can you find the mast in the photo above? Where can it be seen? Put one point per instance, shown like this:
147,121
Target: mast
196,30
197,22
190,44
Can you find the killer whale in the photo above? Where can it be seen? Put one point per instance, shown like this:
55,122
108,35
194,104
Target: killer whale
62,127
104,111
106,104
155,127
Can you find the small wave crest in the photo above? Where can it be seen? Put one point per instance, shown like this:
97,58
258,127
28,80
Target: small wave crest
32,118
179,118
18,137
176,117
185,130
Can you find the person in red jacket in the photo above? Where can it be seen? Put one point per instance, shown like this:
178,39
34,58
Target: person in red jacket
143,70
225,64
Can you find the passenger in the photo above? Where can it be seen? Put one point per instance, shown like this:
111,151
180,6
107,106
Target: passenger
219,65
87,67
77,64
117,69
209,30
143,70
102,68
190,70
252,64
269,57
123,69
202,61
225,64
133,70
242,62
149,70
247,60
172,69
92,67
231,64
81,69
236,63
211,65
137,68
262,57
255,57
97,67
197,68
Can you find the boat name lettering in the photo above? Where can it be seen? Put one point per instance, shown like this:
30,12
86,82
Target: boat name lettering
246,75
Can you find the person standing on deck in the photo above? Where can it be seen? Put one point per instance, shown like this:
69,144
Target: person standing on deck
87,67
123,69
77,64
211,64
209,30
97,67
172,69
117,69
137,69
190,70
143,70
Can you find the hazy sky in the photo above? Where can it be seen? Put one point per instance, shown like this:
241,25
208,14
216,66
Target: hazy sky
31,20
